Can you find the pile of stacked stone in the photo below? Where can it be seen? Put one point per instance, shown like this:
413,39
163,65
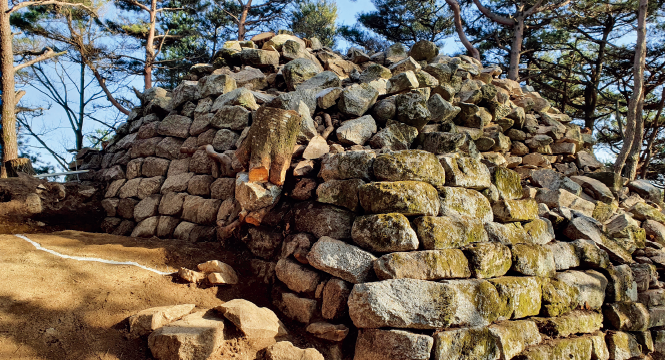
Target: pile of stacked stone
441,211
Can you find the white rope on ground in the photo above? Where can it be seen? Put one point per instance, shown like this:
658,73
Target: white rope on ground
81,258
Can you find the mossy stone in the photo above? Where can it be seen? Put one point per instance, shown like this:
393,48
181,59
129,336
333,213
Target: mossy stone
415,165
423,265
410,198
448,232
384,233
467,202
558,298
507,182
488,260
522,296
533,260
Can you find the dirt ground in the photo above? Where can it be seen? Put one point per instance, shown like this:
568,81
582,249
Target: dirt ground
53,308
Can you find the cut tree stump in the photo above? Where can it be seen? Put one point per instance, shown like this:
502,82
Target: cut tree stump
20,165
266,151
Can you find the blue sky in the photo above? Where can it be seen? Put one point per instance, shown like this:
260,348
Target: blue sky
55,127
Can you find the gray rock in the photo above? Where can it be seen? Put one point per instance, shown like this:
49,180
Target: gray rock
356,131
590,285
184,92
520,294
320,81
466,202
195,336
395,136
146,228
507,234
515,336
242,97
384,233
215,85
175,125
231,117
533,260
424,50
342,260
646,190
259,58
441,110
254,196
419,304
296,277
402,82
443,142
323,220
411,109
298,71
392,344
335,295
357,99
147,208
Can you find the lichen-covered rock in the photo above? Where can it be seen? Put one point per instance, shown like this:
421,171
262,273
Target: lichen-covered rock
466,172
540,230
415,165
300,309
515,210
402,82
466,343
522,296
231,117
298,71
511,233
507,182
533,260
423,265
579,348
642,211
411,109
419,304
384,233
424,50
215,85
488,259
514,336
407,197
175,125
439,142
347,165
467,202
375,344
340,259
395,136
449,232
627,316
590,284
241,96
621,284
558,297
342,193
565,255
357,99
622,345
441,110
576,322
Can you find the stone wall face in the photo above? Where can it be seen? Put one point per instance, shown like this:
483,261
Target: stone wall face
442,211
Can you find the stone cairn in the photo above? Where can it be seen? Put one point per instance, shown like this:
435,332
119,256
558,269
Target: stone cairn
441,211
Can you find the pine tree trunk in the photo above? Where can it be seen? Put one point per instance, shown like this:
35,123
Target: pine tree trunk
9,138
516,49
150,47
632,139
266,151
20,165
